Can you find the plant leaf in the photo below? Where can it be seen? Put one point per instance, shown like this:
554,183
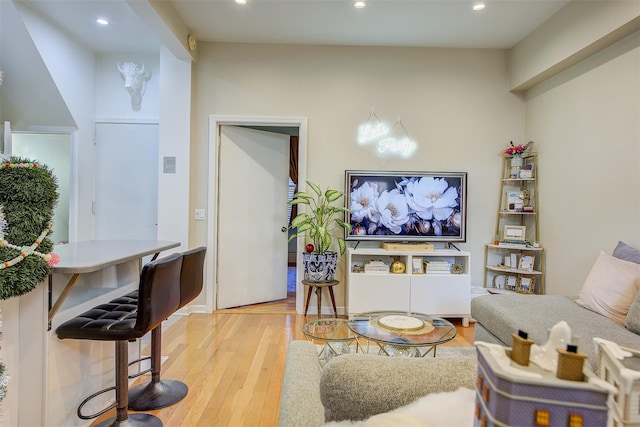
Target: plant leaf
344,225
303,227
315,188
299,201
302,194
342,245
333,195
299,220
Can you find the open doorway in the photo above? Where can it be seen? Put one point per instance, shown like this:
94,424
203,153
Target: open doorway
295,129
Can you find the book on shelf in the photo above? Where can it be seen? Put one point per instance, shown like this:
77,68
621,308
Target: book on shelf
514,244
438,267
376,267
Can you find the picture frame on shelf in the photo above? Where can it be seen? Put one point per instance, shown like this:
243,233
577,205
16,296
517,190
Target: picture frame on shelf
514,233
526,284
507,261
511,283
513,201
526,262
499,281
417,266
526,173
514,260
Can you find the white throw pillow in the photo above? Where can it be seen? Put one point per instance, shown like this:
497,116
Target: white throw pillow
610,287
446,409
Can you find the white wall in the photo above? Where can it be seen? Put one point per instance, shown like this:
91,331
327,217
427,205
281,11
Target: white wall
454,102
587,121
577,31
175,130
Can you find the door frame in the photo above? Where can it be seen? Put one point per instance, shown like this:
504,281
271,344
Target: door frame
215,122
73,162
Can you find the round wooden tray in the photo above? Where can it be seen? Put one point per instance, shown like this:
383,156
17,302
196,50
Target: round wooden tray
402,323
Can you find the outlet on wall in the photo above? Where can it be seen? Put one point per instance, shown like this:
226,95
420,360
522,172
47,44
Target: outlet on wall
198,214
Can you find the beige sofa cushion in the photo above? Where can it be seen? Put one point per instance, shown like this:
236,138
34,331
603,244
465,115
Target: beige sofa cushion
610,287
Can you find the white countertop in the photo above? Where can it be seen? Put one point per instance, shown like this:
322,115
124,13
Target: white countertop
93,255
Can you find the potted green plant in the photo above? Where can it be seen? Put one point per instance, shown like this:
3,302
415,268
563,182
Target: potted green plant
324,216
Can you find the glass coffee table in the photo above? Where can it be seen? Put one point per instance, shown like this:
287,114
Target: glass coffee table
401,334
333,333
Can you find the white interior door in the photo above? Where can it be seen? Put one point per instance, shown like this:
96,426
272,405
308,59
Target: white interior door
253,174
126,181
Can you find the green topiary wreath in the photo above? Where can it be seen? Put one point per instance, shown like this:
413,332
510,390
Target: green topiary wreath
28,195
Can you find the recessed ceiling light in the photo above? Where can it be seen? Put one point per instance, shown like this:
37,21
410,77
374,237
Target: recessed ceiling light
241,2
359,4
479,6
102,21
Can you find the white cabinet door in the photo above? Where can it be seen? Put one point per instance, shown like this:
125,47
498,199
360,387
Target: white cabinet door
441,295
373,292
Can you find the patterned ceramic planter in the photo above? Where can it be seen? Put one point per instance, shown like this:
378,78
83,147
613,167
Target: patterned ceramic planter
320,267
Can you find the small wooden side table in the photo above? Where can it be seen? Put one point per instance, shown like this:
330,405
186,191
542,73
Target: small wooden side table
318,288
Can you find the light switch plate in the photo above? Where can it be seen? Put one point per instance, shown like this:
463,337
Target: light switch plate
169,164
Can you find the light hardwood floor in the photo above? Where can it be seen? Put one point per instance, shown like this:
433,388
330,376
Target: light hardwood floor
233,362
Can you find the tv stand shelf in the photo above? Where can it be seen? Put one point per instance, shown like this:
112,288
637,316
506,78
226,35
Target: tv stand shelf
440,294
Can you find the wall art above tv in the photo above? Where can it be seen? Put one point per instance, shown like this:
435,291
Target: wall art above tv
406,206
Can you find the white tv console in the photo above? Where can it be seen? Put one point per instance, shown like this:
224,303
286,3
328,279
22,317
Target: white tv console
438,294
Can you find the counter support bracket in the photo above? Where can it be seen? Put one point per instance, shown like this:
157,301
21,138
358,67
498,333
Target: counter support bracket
65,292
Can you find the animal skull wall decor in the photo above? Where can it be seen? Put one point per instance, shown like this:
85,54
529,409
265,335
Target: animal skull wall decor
135,82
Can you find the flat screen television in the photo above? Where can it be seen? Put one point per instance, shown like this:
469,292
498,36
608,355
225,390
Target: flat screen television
406,206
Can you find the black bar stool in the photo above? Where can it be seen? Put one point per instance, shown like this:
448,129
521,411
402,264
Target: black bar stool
159,393
158,298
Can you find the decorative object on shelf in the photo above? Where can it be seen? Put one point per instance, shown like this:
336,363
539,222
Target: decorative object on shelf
525,196
525,284
135,82
517,161
408,247
516,165
319,223
526,262
28,194
397,266
418,266
457,268
514,202
527,172
514,234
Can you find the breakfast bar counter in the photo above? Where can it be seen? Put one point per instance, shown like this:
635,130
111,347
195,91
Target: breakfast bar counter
49,376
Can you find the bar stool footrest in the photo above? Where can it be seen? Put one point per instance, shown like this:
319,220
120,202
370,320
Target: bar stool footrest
140,360
156,395
97,414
